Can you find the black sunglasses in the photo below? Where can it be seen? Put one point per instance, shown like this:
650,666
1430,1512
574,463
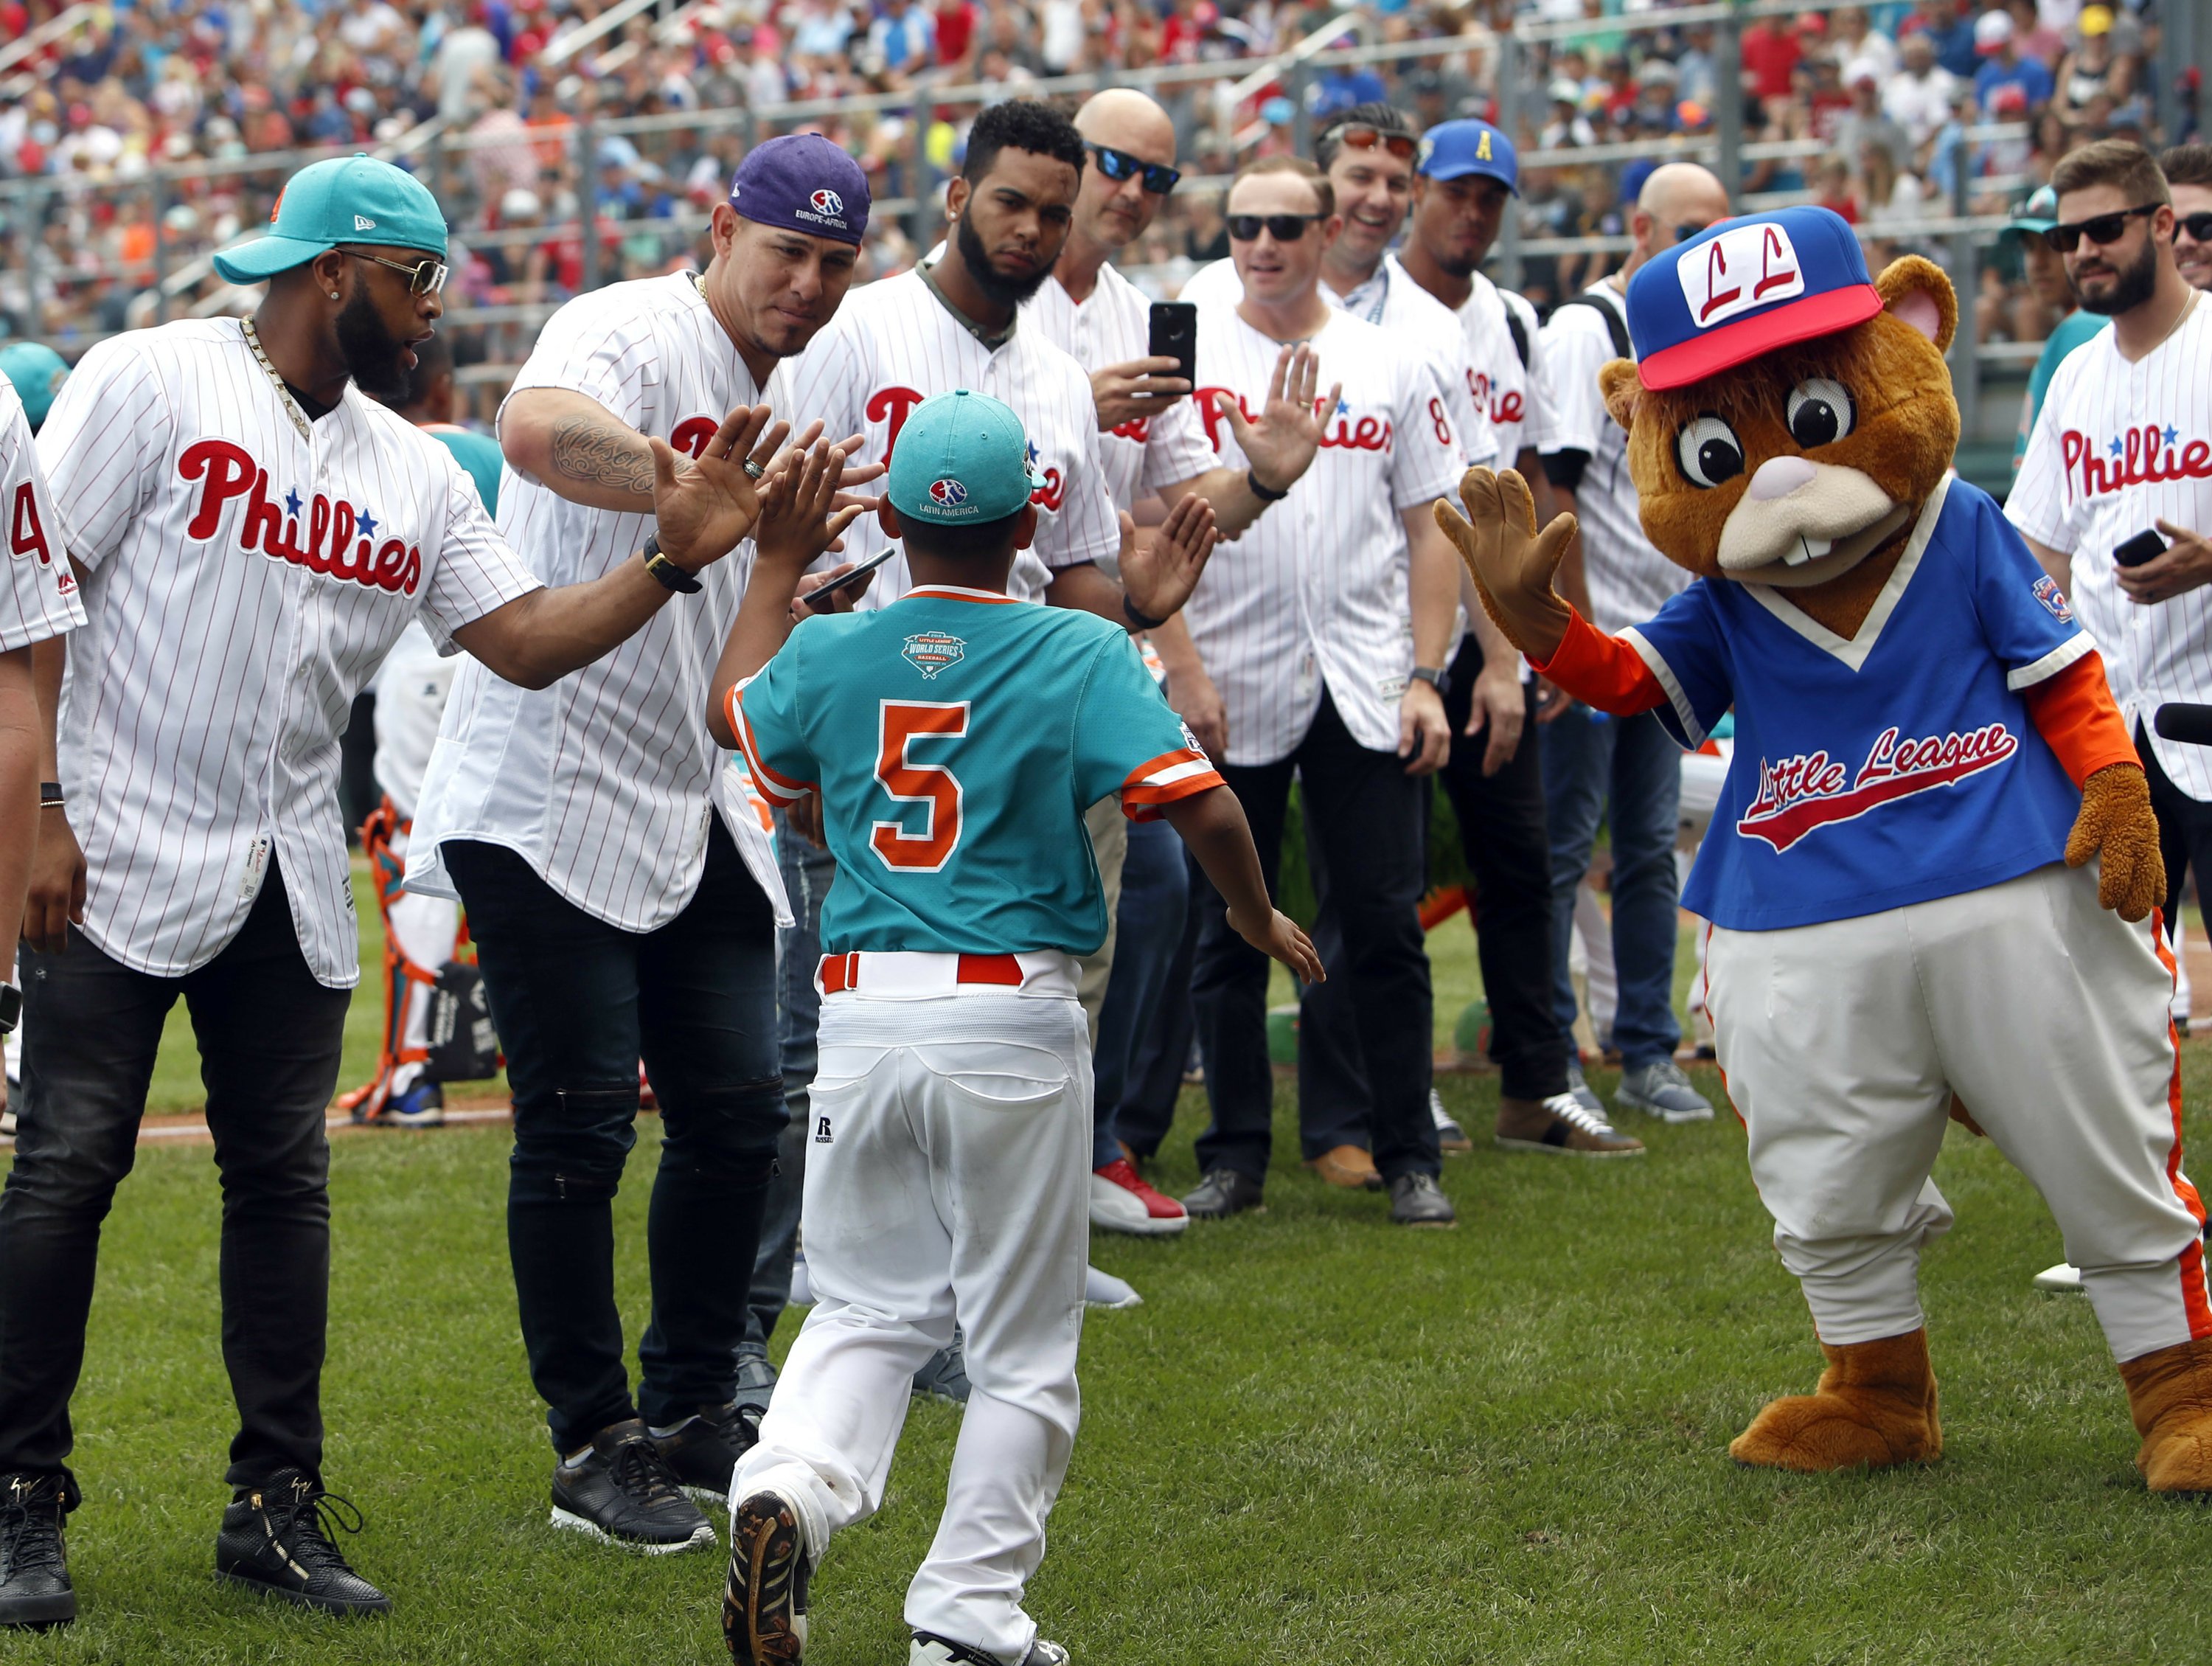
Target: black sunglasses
2099,230
1118,165
2198,225
425,277
1683,233
1361,136
1283,227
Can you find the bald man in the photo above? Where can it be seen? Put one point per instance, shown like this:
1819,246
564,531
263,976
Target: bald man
1613,575
1153,444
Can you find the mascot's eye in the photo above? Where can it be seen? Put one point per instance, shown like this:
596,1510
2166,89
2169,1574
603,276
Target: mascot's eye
1709,451
1819,410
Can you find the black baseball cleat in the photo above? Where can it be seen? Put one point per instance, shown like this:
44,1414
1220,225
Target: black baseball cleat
622,1493
764,1603
34,1582
930,1650
704,1450
275,1541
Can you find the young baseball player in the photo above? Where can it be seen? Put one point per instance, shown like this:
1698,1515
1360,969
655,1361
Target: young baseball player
955,739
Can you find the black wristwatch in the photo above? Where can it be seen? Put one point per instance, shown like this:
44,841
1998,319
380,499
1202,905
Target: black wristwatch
1137,616
674,577
1261,492
1438,680
11,1008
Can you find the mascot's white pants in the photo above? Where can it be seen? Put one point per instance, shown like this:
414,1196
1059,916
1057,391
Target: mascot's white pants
1844,1041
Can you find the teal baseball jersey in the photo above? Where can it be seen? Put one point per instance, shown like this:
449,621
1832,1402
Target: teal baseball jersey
955,738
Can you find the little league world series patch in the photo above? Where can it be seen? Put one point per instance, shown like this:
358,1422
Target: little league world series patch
930,651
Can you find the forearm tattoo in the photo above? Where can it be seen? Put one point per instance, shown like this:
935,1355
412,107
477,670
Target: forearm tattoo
595,454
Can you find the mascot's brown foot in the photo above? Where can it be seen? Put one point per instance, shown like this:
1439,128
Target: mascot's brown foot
1875,1407
2170,1394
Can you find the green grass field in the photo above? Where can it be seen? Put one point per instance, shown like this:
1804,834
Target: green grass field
1320,1439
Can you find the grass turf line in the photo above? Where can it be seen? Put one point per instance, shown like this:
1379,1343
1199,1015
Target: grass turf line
1321,1438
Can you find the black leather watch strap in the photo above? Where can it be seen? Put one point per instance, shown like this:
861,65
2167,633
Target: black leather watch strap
670,575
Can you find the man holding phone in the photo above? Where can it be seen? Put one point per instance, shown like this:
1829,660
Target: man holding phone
2118,471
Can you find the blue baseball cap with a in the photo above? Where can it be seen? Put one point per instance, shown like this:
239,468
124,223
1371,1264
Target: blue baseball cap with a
1454,150
803,182
37,373
1742,287
962,459
344,199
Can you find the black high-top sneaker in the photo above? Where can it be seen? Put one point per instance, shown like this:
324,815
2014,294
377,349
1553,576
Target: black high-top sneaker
34,1582
703,1451
275,1541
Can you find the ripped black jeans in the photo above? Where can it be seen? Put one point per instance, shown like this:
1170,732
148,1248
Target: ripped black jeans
578,1004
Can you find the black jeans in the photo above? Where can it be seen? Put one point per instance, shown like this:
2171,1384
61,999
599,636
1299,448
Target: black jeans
2184,832
270,1037
1502,832
1364,835
578,1003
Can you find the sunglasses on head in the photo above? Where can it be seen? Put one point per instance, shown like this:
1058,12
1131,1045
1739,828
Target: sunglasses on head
1119,165
1360,137
2101,229
425,277
2198,225
1283,227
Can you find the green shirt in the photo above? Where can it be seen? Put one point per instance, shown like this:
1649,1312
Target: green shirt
2068,334
476,453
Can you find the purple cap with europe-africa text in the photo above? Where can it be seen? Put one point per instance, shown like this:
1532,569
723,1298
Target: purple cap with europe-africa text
804,183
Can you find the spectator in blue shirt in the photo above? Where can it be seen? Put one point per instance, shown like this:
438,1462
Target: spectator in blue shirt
1350,84
2002,65
1948,26
906,35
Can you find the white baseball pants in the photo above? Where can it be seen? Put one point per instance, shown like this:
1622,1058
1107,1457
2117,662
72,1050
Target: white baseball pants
1842,1043
946,1180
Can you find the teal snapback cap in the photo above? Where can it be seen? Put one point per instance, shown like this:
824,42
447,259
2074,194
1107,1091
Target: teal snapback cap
344,199
962,459
37,373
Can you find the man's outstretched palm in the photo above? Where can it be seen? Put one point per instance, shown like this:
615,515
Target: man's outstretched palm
703,511
1280,443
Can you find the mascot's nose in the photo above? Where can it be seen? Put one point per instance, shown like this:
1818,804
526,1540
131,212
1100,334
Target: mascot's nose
1779,477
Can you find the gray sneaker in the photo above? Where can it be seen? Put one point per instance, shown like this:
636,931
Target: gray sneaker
756,1379
1585,1095
1416,1200
1660,1089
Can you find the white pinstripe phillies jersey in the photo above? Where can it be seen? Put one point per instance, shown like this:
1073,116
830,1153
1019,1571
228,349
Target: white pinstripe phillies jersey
1316,591
2116,448
604,782
1164,448
1507,392
1629,581
245,582
37,591
892,345
1412,317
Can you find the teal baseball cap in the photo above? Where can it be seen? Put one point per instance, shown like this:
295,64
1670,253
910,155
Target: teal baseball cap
962,459
37,373
2037,215
344,199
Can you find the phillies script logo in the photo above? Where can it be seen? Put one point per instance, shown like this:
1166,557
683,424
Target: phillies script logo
1799,793
1368,433
330,547
692,434
1508,408
891,406
2133,457
1138,428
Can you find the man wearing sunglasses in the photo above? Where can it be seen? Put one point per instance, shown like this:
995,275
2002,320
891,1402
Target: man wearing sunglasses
2188,170
2123,446
251,536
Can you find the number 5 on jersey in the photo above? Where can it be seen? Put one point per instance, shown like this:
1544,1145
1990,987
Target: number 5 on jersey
900,723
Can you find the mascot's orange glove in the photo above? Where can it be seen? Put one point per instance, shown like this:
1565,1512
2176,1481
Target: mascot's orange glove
2073,713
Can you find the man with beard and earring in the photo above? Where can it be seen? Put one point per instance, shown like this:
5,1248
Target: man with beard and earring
617,870
250,535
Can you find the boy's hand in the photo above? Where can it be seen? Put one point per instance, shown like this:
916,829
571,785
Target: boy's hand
1160,575
796,521
1277,936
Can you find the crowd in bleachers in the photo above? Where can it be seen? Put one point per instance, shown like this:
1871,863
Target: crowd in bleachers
1891,105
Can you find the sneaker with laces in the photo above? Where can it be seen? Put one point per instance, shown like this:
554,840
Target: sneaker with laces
1451,1138
930,1650
1416,1200
945,1375
1561,1125
1223,1192
704,1450
765,1602
621,1492
1660,1089
34,1584
1585,1095
422,1106
275,1541
1122,1201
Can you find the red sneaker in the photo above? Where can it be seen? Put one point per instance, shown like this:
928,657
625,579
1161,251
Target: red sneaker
1121,1201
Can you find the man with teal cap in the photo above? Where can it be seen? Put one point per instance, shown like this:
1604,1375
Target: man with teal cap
2046,277
37,373
251,536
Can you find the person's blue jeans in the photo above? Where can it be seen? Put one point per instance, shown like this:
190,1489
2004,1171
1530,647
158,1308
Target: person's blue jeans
1626,772
578,1003
1155,894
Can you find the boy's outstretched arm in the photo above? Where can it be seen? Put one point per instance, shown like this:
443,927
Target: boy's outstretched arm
1212,824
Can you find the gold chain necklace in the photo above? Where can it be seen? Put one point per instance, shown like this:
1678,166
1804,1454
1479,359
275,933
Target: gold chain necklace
291,405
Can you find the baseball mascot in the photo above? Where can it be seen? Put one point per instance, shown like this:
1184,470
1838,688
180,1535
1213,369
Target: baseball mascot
1933,870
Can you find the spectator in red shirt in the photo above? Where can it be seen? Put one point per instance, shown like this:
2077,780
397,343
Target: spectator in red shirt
956,32
1770,52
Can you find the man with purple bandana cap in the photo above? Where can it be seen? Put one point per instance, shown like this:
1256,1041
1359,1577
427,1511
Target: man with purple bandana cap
620,880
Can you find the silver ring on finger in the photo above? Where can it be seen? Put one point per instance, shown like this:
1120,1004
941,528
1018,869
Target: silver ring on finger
754,470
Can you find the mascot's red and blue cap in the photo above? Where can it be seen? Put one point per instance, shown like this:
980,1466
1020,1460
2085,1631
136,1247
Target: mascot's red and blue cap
1742,287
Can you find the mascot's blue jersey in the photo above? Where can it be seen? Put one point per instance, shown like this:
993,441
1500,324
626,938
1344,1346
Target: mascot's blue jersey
958,736
1891,768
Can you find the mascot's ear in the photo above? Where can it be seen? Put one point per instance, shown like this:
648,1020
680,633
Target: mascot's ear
1916,291
1623,389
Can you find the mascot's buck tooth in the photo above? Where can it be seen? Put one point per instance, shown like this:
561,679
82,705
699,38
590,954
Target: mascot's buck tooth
1933,870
